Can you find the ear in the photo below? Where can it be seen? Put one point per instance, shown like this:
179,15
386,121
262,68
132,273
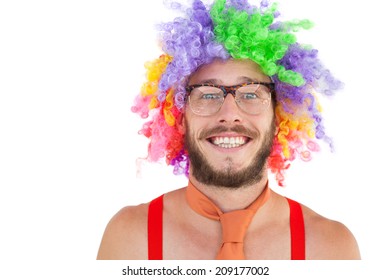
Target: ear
277,129
276,124
181,124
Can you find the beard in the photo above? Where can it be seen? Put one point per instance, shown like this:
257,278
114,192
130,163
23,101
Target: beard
205,173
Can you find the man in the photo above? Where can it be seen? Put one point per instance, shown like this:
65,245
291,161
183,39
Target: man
233,113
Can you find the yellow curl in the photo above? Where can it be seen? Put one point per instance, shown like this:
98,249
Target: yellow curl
148,88
154,70
293,128
153,103
284,130
306,126
169,118
169,99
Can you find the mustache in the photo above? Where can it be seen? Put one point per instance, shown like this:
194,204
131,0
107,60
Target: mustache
240,129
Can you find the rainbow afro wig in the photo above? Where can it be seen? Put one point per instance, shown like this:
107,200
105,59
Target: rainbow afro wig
235,29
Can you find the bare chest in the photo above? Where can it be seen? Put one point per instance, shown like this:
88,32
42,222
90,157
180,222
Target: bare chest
271,243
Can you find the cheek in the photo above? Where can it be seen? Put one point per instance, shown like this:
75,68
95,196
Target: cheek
193,125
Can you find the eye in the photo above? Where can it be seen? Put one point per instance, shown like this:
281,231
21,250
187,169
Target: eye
249,95
253,92
208,93
210,96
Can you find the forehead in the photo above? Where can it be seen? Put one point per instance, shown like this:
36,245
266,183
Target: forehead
229,72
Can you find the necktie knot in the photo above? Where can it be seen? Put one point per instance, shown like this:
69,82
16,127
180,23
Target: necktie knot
235,224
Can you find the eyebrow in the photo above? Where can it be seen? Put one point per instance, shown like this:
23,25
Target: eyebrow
246,79
240,79
210,81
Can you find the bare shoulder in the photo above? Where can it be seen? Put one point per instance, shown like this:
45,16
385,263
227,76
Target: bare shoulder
125,236
327,239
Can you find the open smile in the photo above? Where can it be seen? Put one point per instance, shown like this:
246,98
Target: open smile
228,142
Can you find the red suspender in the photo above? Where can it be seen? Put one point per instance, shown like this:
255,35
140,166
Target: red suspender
297,231
155,229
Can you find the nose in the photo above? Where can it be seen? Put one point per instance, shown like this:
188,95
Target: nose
230,112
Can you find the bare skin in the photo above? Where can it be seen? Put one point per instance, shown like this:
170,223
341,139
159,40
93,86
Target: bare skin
188,235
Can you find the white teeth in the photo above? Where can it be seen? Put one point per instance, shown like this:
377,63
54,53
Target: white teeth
228,142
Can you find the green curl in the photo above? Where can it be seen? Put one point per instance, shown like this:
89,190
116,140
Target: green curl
248,36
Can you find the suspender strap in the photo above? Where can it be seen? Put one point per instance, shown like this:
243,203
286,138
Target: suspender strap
297,231
155,229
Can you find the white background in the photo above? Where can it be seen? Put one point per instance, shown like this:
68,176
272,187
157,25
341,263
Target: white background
69,71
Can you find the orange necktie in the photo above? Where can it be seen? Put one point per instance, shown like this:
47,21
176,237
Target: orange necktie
234,224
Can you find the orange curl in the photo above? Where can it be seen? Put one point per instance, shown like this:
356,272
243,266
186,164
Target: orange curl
167,107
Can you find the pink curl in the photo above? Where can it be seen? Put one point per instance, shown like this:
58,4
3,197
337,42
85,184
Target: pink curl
141,104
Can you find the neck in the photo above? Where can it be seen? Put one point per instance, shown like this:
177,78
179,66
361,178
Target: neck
228,199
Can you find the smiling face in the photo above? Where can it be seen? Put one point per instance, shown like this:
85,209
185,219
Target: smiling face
231,147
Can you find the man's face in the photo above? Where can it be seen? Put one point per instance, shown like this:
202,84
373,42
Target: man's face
231,147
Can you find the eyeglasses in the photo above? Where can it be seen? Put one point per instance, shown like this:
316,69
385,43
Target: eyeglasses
207,99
